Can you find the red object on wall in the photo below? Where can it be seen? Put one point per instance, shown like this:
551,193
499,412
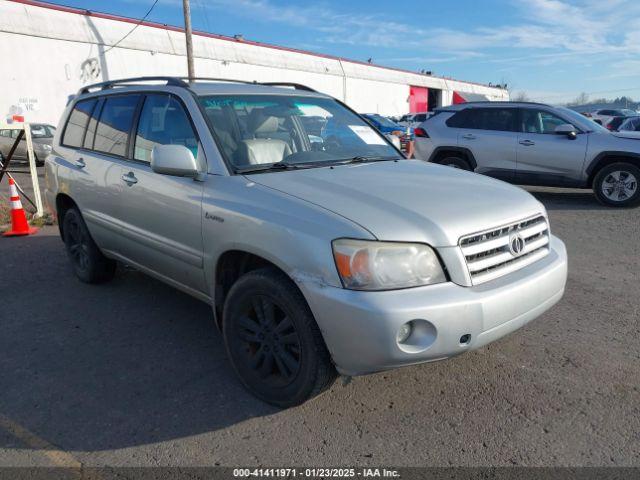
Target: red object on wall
457,98
17,118
418,99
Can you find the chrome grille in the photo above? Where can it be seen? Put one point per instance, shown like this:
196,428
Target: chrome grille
494,253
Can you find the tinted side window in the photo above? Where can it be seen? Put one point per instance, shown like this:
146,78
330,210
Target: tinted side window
499,119
420,117
77,123
539,121
163,121
112,133
459,119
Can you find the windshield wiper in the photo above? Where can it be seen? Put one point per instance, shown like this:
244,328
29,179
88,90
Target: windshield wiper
268,167
364,159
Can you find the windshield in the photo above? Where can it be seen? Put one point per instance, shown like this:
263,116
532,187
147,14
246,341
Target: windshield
263,130
580,121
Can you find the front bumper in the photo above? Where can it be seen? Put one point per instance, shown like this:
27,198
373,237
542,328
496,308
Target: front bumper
360,328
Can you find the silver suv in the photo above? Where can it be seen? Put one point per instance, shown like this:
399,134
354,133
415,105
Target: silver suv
534,144
319,252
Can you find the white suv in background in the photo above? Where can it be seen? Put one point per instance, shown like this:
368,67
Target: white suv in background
534,144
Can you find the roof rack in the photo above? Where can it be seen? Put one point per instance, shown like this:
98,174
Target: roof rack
184,82
172,81
297,86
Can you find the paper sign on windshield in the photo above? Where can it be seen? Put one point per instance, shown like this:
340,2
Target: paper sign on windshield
367,135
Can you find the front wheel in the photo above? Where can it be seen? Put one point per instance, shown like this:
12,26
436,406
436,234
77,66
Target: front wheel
273,341
616,185
88,262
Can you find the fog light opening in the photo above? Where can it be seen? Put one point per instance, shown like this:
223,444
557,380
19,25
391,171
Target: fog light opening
465,339
404,332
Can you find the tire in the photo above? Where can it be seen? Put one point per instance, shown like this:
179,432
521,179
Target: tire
455,162
616,185
88,262
273,341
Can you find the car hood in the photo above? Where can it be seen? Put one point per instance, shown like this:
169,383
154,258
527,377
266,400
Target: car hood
408,200
627,134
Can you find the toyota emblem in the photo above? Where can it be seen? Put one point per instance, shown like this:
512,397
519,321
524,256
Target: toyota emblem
516,244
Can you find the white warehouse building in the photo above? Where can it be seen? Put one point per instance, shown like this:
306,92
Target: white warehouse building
50,51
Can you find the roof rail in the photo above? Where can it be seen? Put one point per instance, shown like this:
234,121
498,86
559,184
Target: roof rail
216,79
184,82
297,86
173,81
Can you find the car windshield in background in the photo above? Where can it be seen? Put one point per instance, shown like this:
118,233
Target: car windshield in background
583,123
42,131
256,132
385,122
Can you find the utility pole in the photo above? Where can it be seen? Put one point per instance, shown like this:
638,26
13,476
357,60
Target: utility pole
187,30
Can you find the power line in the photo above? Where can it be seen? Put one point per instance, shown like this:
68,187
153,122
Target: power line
134,27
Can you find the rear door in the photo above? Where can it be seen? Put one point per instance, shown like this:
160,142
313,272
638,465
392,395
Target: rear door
93,146
161,214
544,157
490,134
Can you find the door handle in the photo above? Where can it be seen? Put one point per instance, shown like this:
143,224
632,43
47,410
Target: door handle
469,136
80,163
129,178
527,143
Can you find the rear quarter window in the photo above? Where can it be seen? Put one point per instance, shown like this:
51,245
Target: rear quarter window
77,123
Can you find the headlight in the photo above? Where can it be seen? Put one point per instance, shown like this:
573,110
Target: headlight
46,148
372,265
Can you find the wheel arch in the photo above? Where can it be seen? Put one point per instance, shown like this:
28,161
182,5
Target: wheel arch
63,203
607,158
441,152
229,267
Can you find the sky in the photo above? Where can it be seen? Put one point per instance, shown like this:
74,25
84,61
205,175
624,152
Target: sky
552,50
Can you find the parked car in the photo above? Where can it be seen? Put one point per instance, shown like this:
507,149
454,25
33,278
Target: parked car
41,135
614,124
412,120
386,126
344,257
630,124
534,144
605,115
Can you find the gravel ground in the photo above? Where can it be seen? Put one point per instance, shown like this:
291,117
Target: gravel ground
134,373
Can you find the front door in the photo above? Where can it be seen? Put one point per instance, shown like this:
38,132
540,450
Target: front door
162,214
544,157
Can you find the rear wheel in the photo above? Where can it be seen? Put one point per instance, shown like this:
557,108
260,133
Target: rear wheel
273,341
616,185
88,262
455,162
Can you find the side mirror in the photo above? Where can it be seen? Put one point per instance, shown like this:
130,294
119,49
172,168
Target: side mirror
176,160
568,130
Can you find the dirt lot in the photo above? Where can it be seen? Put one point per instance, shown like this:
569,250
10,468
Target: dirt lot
134,373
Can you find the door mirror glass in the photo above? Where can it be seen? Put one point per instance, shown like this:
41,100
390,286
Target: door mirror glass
176,160
566,129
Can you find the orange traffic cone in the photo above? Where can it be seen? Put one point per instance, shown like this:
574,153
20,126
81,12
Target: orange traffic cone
19,225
